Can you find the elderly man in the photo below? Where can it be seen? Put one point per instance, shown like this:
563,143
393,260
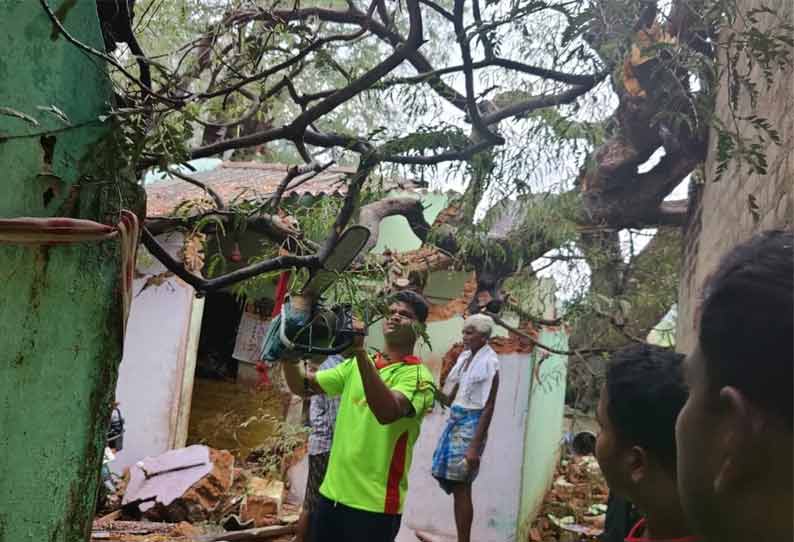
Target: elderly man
474,381
383,399
734,434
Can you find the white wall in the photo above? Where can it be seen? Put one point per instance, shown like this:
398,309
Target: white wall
496,491
156,372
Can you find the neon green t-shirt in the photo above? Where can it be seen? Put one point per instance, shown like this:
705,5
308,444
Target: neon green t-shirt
369,463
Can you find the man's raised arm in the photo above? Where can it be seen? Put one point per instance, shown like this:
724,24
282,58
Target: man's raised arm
299,381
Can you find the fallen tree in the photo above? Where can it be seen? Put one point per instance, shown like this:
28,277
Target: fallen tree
254,72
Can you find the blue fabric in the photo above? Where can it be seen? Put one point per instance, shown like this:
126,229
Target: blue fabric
448,463
272,347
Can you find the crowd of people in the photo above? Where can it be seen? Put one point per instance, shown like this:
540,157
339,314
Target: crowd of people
701,444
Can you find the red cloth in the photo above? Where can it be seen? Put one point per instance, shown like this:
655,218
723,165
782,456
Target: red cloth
640,527
381,362
264,378
281,292
281,295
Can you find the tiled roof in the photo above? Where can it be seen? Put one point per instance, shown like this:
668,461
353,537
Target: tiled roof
248,180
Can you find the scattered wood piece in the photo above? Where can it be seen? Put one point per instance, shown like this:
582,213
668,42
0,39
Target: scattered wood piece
249,535
116,514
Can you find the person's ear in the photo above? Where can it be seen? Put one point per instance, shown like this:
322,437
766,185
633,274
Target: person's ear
637,463
736,433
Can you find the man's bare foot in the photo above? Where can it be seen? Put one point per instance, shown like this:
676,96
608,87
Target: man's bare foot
424,537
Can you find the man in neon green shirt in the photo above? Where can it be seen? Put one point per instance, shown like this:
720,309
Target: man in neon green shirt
383,400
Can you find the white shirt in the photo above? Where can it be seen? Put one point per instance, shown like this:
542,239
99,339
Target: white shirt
474,384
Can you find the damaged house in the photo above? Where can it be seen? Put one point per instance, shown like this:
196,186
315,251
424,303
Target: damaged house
177,341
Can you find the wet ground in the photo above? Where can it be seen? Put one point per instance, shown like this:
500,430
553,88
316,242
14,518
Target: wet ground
226,415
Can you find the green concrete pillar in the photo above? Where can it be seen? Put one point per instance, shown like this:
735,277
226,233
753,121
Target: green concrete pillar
60,308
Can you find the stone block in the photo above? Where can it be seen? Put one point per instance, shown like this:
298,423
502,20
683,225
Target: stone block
262,502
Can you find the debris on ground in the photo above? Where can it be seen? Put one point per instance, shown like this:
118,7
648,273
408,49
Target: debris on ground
187,484
250,535
574,508
197,494
142,531
262,502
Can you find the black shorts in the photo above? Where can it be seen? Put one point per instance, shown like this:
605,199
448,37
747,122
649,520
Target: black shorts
318,464
335,522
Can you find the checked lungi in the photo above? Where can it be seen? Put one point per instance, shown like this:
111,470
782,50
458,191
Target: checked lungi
449,466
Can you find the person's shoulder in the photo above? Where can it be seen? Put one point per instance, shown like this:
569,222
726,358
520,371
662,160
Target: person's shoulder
413,369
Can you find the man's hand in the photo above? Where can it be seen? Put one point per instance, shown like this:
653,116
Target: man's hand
472,458
359,338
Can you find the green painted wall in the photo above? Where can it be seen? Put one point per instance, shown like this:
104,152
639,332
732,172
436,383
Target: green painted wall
60,317
544,426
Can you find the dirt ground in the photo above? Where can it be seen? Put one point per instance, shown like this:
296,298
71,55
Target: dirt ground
574,507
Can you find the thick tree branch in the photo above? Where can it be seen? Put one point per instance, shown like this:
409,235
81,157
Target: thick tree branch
372,214
348,207
631,200
210,285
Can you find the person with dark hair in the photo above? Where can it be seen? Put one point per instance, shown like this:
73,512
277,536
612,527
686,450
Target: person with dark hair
735,436
639,403
383,399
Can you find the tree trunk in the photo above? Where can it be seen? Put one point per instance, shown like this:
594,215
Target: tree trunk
61,312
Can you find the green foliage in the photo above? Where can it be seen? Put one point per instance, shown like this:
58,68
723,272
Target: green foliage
426,139
273,455
566,128
750,50
545,147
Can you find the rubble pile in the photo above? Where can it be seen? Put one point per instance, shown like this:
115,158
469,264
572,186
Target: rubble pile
188,484
574,508
196,490
142,531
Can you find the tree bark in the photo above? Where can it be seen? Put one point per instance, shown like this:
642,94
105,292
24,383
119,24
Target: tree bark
61,310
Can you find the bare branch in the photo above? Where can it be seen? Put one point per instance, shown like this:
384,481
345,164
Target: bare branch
512,329
296,171
463,154
210,285
486,41
438,9
551,75
271,226
537,102
303,53
219,203
480,127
